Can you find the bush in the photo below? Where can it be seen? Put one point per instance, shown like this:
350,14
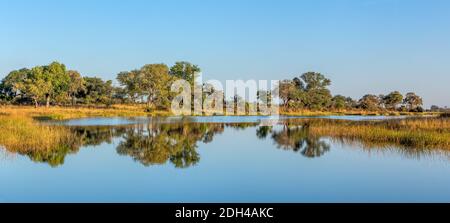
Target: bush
148,109
445,115
402,109
418,109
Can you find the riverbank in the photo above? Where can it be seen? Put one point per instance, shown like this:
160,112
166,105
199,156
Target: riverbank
430,132
24,135
62,113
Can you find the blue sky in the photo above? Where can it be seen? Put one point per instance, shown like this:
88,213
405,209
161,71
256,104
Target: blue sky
363,46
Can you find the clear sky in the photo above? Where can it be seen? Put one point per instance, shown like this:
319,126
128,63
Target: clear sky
363,46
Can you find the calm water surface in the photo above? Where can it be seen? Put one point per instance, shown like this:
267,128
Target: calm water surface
220,159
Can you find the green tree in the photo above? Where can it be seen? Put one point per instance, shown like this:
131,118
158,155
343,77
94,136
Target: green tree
392,100
412,101
97,91
8,86
288,92
189,72
55,75
264,97
339,102
77,85
131,81
155,84
186,71
315,87
369,102
350,103
120,95
313,80
34,88
51,81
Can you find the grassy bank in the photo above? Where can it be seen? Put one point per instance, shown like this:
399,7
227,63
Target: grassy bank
355,112
410,132
61,113
23,134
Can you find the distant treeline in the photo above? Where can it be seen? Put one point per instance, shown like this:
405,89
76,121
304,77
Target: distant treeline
310,91
53,84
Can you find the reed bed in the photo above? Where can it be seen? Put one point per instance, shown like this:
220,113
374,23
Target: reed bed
24,135
353,112
61,113
412,132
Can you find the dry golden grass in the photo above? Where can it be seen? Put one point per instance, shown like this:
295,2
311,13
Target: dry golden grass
352,112
418,132
60,113
23,134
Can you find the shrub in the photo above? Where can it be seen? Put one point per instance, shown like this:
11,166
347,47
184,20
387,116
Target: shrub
445,115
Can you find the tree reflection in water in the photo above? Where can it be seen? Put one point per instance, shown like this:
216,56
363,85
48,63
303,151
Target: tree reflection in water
295,138
158,143
81,136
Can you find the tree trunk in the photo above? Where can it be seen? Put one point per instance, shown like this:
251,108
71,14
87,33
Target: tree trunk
73,100
36,104
149,103
47,104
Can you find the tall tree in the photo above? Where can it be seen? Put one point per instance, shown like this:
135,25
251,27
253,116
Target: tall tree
186,71
288,92
339,102
34,88
55,77
8,86
369,102
392,100
264,96
76,85
155,84
412,101
131,81
315,85
315,80
98,91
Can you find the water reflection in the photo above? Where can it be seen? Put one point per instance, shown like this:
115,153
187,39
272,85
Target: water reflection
81,136
158,143
295,138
